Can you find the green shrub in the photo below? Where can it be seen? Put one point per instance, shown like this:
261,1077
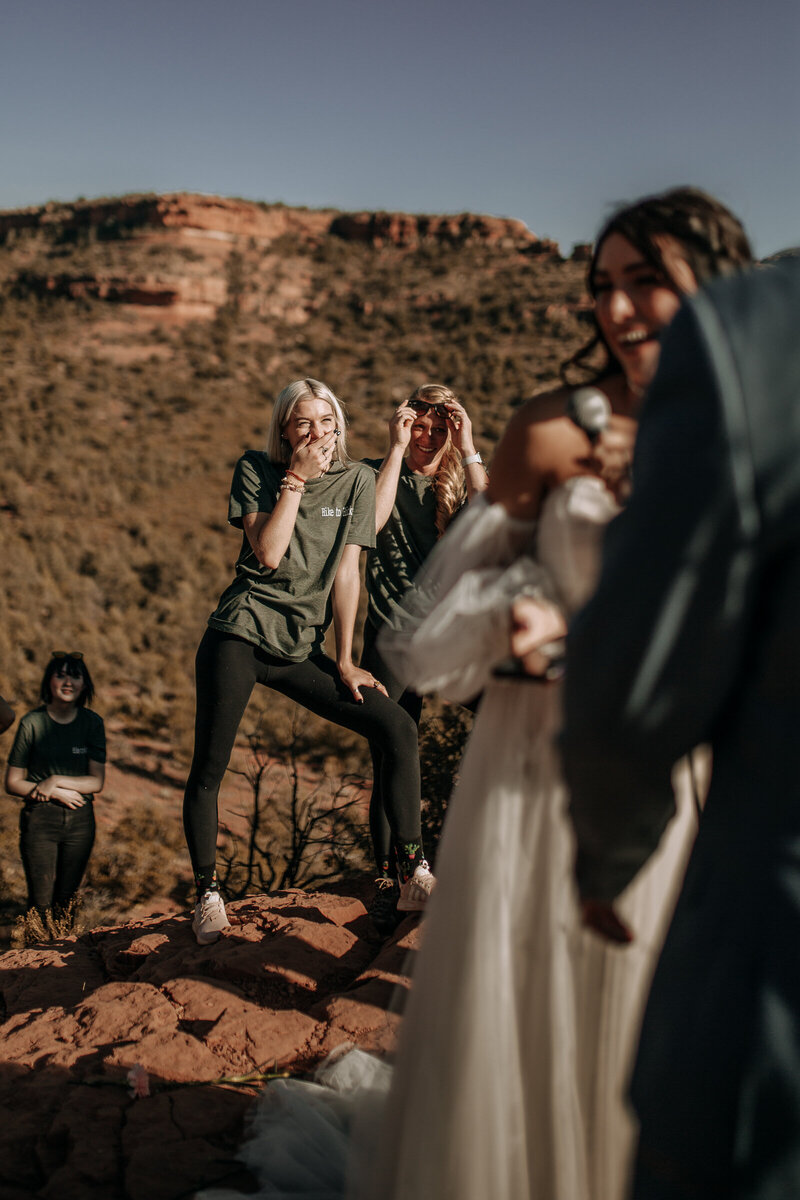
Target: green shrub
443,737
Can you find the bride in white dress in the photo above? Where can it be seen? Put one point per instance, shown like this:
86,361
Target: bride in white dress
520,1027
519,1030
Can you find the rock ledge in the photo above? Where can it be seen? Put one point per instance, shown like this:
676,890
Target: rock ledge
296,975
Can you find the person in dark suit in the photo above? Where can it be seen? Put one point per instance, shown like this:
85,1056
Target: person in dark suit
693,636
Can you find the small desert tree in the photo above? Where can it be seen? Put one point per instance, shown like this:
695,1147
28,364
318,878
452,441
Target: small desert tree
303,828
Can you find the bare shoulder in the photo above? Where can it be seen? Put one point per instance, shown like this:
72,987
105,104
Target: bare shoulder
532,454
546,406
534,424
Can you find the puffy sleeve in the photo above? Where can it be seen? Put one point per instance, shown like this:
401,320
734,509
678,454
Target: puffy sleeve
455,624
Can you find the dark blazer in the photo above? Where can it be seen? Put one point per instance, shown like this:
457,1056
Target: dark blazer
694,636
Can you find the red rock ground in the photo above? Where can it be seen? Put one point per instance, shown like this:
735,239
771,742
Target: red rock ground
296,975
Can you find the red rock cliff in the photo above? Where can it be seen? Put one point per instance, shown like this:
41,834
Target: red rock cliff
243,218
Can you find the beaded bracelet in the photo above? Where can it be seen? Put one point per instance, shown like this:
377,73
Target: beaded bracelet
288,486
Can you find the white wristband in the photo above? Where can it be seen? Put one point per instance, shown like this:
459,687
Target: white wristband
471,458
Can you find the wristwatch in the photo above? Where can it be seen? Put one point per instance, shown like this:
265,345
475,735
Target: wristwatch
471,458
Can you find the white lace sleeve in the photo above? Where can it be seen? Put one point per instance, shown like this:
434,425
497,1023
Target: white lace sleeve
456,621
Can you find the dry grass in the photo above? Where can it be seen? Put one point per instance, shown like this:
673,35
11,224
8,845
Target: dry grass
142,858
114,494
33,928
120,433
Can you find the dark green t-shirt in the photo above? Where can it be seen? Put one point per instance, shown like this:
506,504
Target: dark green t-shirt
286,611
43,747
402,545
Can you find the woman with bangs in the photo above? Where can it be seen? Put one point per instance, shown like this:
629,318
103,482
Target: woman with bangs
305,511
430,471
56,766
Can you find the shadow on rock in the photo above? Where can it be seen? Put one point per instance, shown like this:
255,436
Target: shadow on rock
296,975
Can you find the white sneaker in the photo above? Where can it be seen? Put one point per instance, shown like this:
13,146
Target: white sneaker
415,892
209,918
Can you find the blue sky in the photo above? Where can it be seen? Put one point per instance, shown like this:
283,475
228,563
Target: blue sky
547,112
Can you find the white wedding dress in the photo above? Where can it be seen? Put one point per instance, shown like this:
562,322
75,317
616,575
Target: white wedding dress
520,1027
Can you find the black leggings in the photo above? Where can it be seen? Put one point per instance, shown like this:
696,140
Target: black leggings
227,667
55,843
379,827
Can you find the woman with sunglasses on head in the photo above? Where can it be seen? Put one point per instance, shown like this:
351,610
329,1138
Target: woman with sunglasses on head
57,766
430,471
306,511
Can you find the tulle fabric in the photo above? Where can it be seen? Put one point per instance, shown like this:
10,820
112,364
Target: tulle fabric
519,1031
484,1099
454,627
300,1136
520,1028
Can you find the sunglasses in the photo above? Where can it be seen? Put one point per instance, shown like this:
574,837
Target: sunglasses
70,662
422,406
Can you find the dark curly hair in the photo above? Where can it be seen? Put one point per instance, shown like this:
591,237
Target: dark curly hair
712,240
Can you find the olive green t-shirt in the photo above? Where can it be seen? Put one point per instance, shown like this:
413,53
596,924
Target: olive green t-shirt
286,611
44,747
402,545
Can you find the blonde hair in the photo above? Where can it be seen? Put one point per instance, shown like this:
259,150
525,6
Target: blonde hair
277,446
449,486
